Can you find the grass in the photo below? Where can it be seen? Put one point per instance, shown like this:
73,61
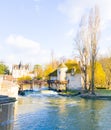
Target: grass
103,92
99,92
69,92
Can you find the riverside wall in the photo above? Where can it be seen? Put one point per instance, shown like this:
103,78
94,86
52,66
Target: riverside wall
8,88
6,112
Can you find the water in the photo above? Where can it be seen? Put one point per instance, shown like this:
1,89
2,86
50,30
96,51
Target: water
49,111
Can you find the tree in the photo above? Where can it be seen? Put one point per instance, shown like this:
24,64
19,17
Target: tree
24,79
3,68
53,61
87,45
94,32
71,63
38,70
48,69
82,46
106,64
100,76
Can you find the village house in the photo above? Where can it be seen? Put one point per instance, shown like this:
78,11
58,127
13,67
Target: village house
65,78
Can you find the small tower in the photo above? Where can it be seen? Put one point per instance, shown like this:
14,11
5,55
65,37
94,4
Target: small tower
61,72
20,65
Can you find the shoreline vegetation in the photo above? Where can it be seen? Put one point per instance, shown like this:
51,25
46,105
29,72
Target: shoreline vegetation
100,94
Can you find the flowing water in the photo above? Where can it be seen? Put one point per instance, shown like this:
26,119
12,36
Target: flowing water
46,110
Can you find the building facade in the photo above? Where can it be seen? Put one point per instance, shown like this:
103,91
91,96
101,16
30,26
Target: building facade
69,77
20,70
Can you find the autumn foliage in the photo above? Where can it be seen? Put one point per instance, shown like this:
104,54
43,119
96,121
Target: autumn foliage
100,76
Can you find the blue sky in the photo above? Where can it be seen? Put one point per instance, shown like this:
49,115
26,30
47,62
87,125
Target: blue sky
31,29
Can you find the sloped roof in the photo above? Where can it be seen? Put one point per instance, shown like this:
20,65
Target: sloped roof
70,68
54,73
62,65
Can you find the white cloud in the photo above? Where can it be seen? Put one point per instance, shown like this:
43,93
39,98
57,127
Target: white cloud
25,50
21,42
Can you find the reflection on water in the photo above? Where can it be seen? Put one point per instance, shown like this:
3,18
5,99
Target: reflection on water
53,112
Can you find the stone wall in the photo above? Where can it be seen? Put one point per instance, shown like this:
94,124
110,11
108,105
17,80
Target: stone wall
9,88
58,86
6,112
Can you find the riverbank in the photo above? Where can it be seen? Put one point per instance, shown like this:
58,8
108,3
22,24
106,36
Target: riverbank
99,94
90,96
70,93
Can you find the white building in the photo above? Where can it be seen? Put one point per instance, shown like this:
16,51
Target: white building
64,74
20,70
60,73
74,79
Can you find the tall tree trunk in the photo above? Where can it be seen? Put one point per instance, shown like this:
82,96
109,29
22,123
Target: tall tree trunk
92,76
85,75
94,22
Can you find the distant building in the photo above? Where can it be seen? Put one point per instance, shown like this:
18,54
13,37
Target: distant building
20,70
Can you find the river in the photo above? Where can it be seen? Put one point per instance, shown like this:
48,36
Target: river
46,110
